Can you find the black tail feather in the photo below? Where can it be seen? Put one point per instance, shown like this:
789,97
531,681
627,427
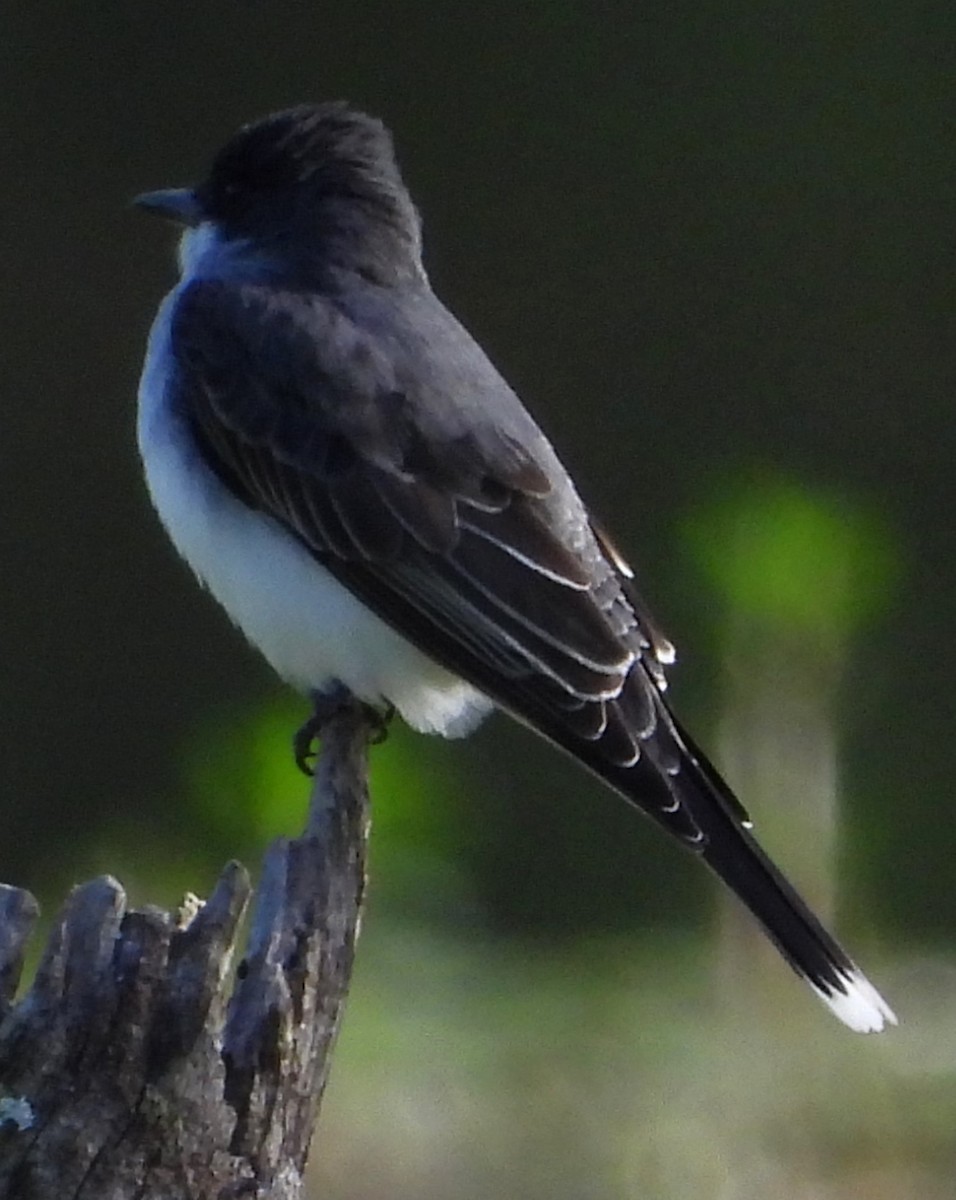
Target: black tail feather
697,797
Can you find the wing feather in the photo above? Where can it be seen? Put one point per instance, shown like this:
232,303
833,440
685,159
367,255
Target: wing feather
468,539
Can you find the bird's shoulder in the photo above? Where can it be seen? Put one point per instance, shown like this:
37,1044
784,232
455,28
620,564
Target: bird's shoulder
393,375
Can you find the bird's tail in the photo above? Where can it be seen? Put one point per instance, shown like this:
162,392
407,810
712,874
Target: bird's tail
813,953
731,851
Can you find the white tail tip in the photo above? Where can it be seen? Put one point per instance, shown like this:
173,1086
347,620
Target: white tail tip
856,1002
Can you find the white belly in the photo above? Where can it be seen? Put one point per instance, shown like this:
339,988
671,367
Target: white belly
309,627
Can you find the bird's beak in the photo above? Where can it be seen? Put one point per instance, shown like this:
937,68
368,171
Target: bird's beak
176,204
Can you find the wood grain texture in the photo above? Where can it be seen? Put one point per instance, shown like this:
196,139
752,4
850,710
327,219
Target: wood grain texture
139,1066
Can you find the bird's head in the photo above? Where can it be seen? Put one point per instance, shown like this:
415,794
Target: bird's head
311,181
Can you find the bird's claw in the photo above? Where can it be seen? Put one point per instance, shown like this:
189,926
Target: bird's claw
325,706
379,720
302,743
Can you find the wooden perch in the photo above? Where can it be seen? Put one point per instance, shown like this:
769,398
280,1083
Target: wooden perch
129,1071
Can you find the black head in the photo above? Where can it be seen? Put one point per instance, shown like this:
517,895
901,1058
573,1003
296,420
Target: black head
300,159
314,178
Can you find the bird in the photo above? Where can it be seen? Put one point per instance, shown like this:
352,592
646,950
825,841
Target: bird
349,475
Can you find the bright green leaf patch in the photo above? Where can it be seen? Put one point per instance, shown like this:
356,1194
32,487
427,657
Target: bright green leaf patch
796,557
247,790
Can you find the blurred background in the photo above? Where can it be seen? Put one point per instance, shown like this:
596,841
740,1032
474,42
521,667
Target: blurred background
711,247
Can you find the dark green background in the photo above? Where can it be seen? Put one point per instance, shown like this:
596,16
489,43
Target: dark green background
699,240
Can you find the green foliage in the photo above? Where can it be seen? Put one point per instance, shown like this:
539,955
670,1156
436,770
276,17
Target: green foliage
794,557
248,789
245,789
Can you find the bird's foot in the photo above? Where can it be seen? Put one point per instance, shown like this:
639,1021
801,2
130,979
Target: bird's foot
379,720
326,705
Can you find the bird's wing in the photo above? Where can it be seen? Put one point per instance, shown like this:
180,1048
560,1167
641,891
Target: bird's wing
469,541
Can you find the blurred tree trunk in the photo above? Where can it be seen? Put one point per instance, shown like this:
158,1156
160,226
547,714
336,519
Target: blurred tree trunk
129,1070
778,749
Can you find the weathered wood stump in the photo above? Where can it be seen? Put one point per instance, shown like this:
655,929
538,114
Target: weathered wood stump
138,1066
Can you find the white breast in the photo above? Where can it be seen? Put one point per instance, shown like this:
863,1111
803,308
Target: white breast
309,627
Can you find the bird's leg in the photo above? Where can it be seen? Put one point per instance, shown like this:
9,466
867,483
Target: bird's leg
325,705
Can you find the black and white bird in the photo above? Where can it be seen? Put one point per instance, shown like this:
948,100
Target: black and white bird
346,471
